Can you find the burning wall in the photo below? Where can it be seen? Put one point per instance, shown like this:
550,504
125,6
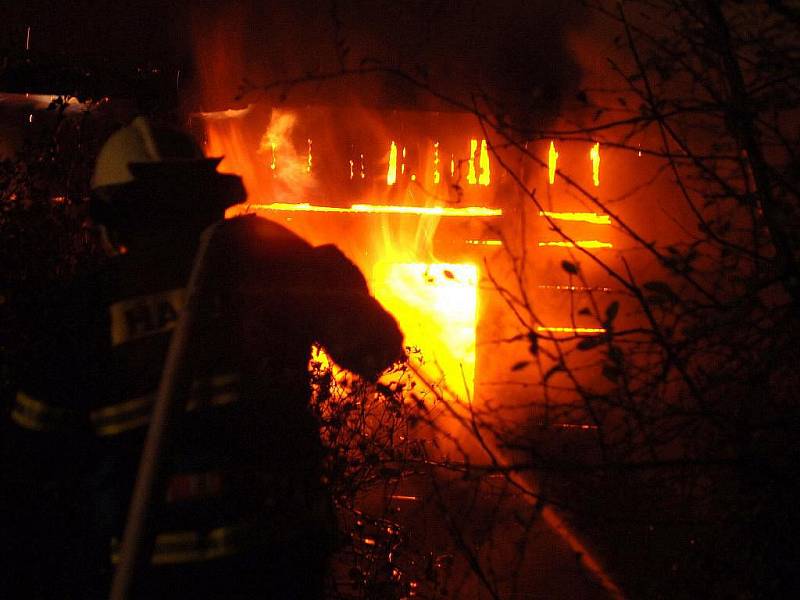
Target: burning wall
419,203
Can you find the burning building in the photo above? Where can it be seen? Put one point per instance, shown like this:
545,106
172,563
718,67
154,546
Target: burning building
421,201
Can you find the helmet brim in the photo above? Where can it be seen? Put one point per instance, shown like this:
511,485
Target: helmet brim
165,168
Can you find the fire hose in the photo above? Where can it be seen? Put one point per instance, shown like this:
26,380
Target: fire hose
173,391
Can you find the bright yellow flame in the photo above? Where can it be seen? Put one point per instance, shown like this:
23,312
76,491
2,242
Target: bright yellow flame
403,162
485,177
552,160
579,244
439,211
452,166
571,329
471,178
391,175
273,164
437,307
363,168
436,175
351,168
309,160
594,154
587,217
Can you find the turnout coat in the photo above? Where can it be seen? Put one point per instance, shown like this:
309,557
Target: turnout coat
245,506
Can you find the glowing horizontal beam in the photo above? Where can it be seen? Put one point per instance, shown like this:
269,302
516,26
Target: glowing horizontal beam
579,244
570,329
438,211
485,242
587,217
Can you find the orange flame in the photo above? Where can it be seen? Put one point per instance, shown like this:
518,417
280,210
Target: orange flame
437,304
587,217
579,244
391,175
552,159
471,178
436,175
485,242
386,209
485,177
594,155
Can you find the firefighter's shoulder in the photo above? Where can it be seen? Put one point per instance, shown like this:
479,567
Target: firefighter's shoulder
251,235
336,270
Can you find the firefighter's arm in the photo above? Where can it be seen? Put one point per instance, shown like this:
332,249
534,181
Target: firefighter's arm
352,325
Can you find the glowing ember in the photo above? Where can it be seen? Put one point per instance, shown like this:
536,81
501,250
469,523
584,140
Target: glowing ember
437,306
594,155
403,163
351,168
570,329
552,159
391,175
587,217
309,159
438,211
579,244
485,176
471,177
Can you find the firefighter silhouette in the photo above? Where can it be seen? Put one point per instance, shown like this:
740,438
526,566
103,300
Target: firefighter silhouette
245,512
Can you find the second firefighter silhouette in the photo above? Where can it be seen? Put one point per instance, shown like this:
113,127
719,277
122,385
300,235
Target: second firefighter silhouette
245,511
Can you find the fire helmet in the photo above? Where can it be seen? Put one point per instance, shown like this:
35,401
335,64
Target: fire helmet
146,171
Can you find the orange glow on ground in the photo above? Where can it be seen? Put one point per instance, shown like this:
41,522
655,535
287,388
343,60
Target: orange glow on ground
586,217
436,305
579,244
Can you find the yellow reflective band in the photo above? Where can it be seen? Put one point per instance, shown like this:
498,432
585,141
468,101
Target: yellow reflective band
135,413
122,417
144,316
36,415
177,547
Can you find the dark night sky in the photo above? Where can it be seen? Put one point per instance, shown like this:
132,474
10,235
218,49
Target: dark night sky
515,49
